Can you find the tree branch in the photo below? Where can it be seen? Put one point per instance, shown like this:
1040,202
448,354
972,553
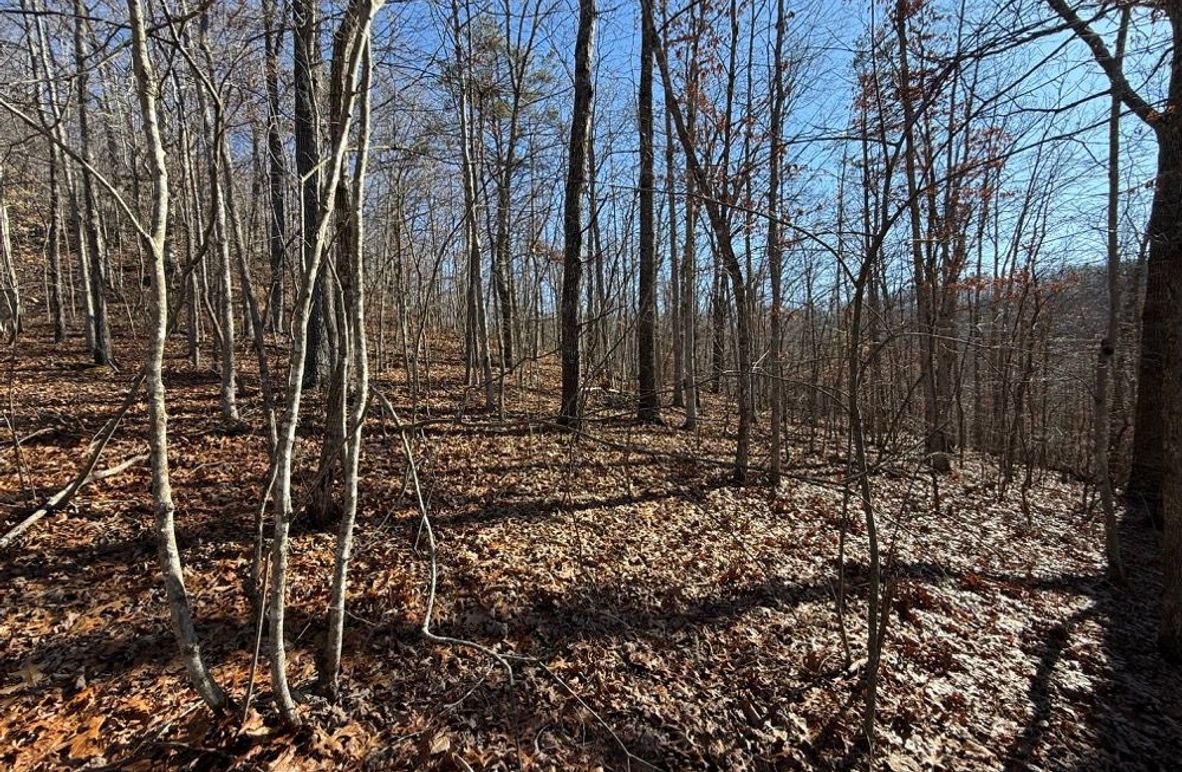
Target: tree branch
1112,68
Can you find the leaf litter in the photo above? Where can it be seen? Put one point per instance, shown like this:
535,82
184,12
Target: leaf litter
645,604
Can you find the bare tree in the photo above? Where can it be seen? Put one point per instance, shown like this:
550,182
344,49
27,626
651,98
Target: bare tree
357,21
648,407
49,111
1157,434
1111,339
719,223
155,237
357,364
572,221
95,273
775,249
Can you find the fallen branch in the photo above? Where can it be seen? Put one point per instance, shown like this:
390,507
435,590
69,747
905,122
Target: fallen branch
86,474
503,659
62,497
31,435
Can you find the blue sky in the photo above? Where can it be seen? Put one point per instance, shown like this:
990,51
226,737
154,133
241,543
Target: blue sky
832,30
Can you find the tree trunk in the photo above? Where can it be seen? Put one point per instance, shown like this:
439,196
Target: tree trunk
572,220
774,251
648,408
50,113
1157,314
10,312
305,54
357,351
924,302
689,309
1102,409
276,171
676,278
1165,323
219,180
92,226
169,553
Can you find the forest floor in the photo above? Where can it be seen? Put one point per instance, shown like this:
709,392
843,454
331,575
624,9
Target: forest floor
656,614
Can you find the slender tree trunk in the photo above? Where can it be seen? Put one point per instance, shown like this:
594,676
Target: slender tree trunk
53,249
689,311
502,260
689,273
934,440
648,408
717,330
169,553
78,221
50,113
93,227
10,313
861,468
276,171
475,322
774,251
1111,340
676,279
355,335
219,180
572,220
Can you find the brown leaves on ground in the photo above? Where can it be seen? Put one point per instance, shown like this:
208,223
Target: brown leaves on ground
636,589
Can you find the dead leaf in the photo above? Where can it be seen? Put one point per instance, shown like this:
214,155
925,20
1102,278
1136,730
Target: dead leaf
85,744
31,674
440,743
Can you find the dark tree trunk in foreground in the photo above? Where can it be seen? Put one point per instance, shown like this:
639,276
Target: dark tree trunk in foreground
572,220
1159,320
1157,432
1165,282
775,253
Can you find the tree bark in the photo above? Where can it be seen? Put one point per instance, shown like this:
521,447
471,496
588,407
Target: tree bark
93,256
169,553
648,408
572,220
722,234
276,168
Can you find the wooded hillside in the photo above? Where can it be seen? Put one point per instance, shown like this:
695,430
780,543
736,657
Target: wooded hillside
505,385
